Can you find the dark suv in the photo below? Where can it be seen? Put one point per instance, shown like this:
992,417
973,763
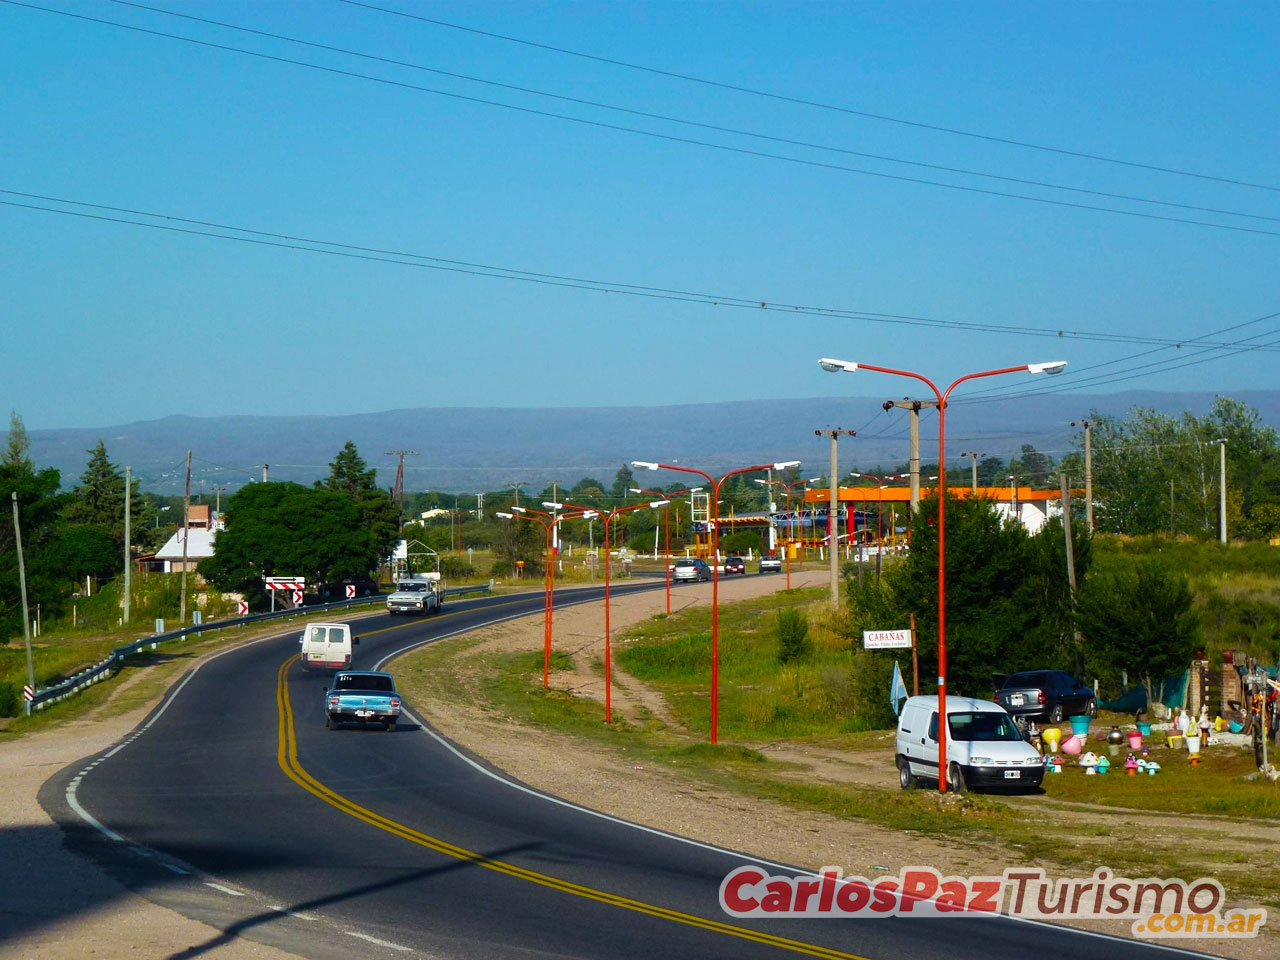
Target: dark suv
1045,695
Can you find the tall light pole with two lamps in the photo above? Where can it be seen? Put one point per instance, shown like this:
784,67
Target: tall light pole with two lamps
791,517
607,517
666,523
715,564
848,366
549,523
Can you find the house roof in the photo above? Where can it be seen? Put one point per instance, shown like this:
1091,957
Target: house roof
198,548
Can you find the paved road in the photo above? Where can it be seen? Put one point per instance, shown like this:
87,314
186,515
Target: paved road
233,804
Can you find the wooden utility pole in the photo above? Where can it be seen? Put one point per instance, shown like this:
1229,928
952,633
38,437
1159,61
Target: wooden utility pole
22,585
128,560
1088,471
397,491
913,408
217,492
1071,569
186,537
915,660
833,512
973,456
264,473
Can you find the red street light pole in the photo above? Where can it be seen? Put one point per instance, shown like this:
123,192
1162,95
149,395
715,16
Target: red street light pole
836,366
666,524
548,577
715,567
607,518
791,530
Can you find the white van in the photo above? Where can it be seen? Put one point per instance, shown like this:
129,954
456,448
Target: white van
327,646
984,746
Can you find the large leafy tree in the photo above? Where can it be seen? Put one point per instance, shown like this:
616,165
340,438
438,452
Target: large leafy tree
1140,620
39,505
284,529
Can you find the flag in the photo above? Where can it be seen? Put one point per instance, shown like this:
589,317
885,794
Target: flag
897,689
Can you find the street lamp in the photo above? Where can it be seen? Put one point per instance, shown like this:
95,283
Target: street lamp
836,366
666,523
715,566
607,518
791,516
549,523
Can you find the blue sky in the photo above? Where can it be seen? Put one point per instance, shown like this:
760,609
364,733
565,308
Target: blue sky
106,323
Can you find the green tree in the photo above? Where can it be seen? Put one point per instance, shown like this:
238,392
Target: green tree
284,529
18,447
99,497
39,506
1140,620
623,481
84,550
349,473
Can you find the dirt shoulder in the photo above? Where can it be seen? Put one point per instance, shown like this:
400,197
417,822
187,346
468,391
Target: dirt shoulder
602,778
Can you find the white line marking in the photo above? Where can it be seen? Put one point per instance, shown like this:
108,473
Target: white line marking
218,886
293,913
178,870
86,816
560,801
381,943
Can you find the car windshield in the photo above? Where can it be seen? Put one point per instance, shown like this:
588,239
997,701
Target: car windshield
986,726
355,681
413,587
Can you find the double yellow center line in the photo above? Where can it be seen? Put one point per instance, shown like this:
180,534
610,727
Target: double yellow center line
287,757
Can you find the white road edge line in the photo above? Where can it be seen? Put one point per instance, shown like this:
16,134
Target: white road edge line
381,943
568,804
292,913
227,890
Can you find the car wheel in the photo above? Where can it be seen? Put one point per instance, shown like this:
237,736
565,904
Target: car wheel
389,726
956,777
906,779
1055,713
1093,708
330,723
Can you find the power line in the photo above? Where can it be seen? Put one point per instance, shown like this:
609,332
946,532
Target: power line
800,101
425,261
692,123
670,138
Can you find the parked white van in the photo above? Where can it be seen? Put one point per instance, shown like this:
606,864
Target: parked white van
327,646
984,745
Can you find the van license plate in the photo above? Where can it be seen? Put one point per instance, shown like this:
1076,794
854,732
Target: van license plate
1016,700
1012,774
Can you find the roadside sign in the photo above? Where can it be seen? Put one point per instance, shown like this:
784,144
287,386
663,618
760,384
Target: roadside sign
886,639
242,608
297,598
351,591
28,694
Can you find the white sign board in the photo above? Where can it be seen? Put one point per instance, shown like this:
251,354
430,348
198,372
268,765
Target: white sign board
886,639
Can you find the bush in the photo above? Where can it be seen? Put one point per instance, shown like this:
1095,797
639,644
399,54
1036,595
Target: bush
793,635
9,700
456,568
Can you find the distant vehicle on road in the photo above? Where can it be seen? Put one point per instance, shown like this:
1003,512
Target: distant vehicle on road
735,565
362,696
417,593
326,646
770,564
690,569
1045,695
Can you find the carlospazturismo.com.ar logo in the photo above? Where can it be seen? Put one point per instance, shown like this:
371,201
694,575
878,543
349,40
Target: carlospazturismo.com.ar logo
1156,908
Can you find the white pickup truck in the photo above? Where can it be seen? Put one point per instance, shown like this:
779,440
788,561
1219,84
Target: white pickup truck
417,593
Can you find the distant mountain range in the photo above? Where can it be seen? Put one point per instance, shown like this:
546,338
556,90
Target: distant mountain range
461,449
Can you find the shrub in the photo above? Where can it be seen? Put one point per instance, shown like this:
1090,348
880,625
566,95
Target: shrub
793,635
9,700
457,568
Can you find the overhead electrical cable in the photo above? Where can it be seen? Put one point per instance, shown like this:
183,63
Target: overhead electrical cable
402,258
800,101
698,124
667,137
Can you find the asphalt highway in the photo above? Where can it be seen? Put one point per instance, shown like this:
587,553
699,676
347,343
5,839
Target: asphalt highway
233,804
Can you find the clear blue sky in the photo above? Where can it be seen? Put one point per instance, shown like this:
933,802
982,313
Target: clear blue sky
106,323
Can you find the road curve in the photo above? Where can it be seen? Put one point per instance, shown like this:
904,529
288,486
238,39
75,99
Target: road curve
233,804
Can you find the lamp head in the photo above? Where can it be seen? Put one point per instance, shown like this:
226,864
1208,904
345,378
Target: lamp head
505,516
644,465
658,503
1052,368
634,490
519,510
552,506
786,464
835,366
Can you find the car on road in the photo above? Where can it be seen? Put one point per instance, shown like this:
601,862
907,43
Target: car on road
1045,695
735,565
770,564
690,569
985,748
362,696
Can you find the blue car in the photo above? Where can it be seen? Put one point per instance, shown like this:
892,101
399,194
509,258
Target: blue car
362,696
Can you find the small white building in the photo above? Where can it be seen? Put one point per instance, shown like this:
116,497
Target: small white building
202,528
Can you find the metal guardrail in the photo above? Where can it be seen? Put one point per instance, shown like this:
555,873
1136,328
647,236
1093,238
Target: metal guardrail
104,668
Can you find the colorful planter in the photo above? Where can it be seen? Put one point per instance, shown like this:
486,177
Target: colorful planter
1079,726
